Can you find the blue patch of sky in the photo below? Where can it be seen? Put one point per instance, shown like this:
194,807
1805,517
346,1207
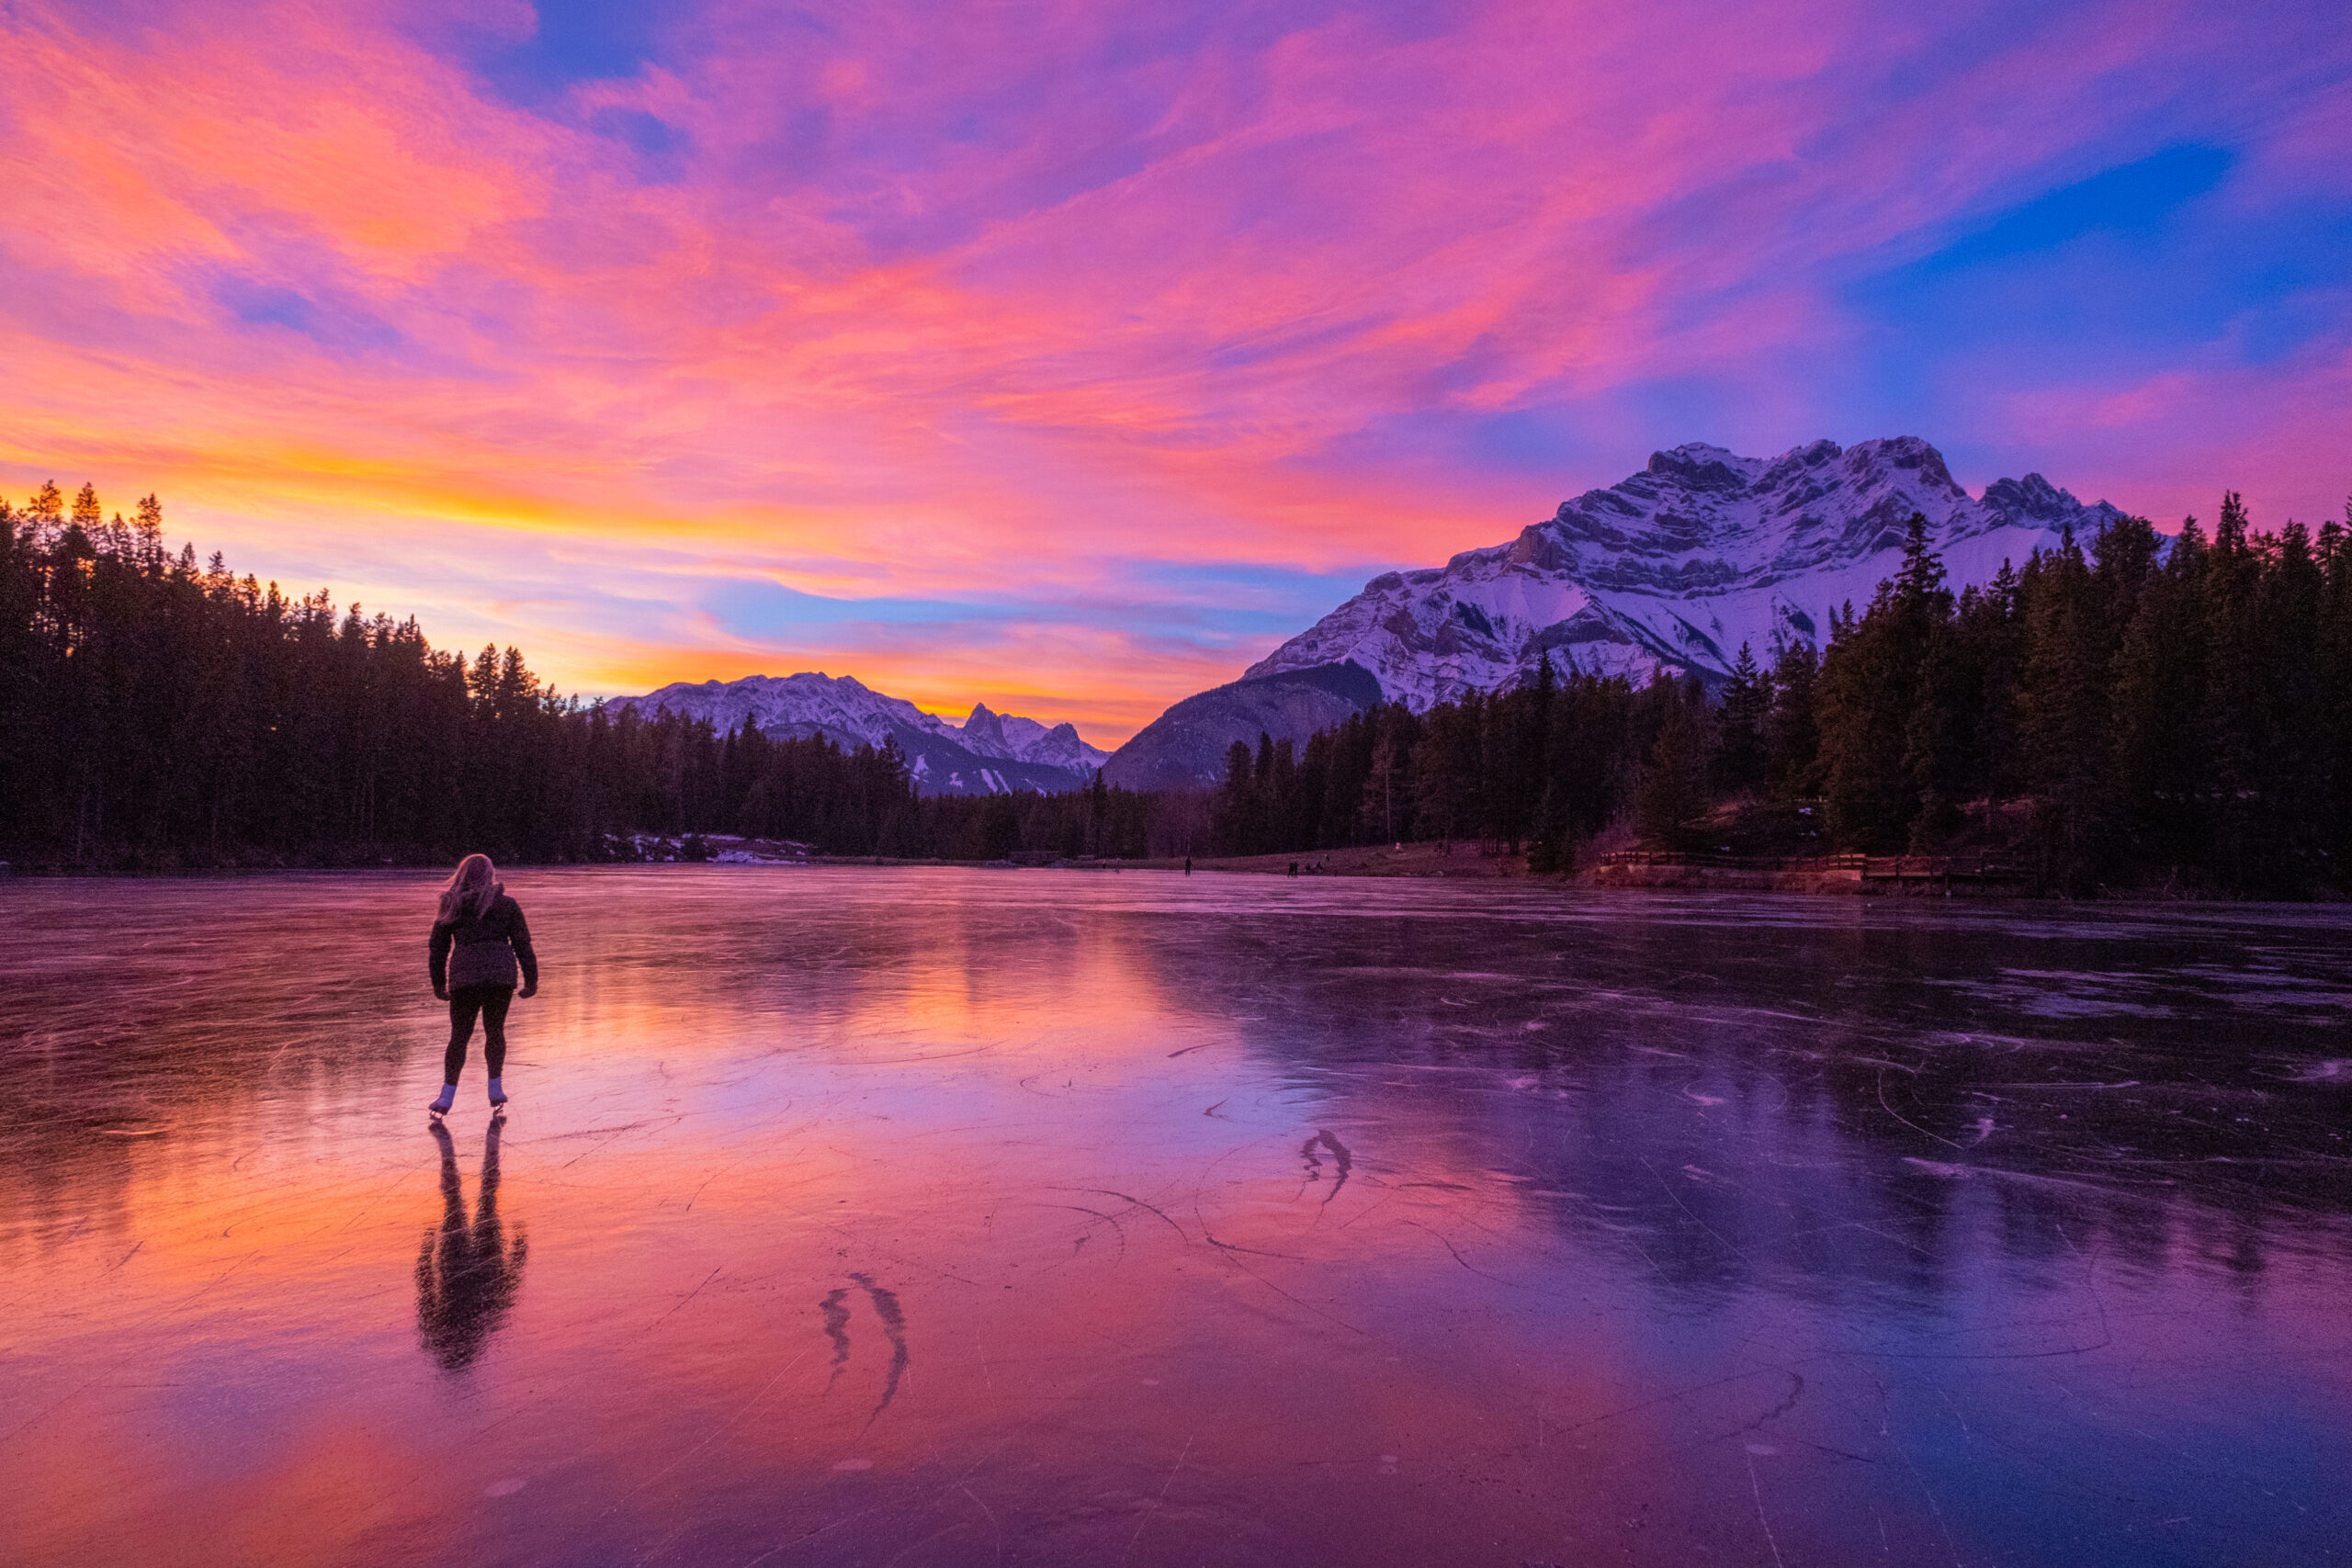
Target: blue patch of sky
1244,598
572,42
575,41
647,135
2128,272
338,326
1208,604
755,608
2135,200
662,148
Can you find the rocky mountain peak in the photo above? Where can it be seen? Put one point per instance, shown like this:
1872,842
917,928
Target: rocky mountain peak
1700,466
1675,565
984,726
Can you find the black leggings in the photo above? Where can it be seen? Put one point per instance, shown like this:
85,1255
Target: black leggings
491,1002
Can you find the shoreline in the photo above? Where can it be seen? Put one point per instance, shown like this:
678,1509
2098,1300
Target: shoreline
1432,861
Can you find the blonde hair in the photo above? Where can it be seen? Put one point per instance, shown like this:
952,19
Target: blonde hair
471,890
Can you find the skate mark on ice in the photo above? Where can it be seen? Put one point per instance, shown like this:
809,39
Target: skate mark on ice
1796,1392
1137,1203
1340,1156
1112,1220
690,1295
894,1324
836,1315
1448,1243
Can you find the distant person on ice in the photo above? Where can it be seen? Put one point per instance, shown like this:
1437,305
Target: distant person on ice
479,939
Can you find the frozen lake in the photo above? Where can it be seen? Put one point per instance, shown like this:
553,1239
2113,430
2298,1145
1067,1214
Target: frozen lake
927,1217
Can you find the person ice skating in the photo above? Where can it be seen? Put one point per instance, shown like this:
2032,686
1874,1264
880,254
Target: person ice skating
479,942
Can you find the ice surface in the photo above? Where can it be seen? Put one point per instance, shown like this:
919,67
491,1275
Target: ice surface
866,1215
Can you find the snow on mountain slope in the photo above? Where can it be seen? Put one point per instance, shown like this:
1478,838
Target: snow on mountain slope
989,753
1679,565
1008,735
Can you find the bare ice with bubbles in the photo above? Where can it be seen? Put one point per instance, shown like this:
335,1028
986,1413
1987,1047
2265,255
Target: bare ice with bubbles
931,1216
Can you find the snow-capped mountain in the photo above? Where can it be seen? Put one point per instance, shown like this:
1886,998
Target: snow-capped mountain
1027,741
989,753
1674,568
1679,565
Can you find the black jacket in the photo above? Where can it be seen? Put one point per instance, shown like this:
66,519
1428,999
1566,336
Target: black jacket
483,950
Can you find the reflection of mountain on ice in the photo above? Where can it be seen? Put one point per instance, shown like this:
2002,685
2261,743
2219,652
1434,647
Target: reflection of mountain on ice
1680,564
1673,569
989,753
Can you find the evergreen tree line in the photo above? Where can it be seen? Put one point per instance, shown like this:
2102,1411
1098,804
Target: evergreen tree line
1546,766
2132,713
157,714
2125,713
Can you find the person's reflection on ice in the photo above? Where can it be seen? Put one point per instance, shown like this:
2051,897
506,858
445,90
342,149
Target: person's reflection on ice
466,1274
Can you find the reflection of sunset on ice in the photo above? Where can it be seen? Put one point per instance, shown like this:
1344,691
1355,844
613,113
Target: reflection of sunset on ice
848,1212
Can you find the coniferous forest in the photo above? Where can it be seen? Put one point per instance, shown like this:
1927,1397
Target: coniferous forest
2126,711
2129,713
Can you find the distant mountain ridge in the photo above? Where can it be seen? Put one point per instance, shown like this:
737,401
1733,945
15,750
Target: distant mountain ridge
1673,568
989,753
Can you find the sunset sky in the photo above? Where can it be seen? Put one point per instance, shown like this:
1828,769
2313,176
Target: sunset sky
1072,354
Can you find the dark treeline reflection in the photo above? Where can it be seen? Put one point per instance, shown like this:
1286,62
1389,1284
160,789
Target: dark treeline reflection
1748,1100
2123,712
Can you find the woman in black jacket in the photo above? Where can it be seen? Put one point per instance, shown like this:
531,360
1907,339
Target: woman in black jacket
479,942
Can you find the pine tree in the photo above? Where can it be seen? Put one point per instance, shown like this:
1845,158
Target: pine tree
2064,715
1234,803
1386,800
1791,728
47,509
1987,623
2333,677
1936,734
1443,770
148,524
2290,757
1870,685
2230,718
1673,799
1740,726
2161,750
